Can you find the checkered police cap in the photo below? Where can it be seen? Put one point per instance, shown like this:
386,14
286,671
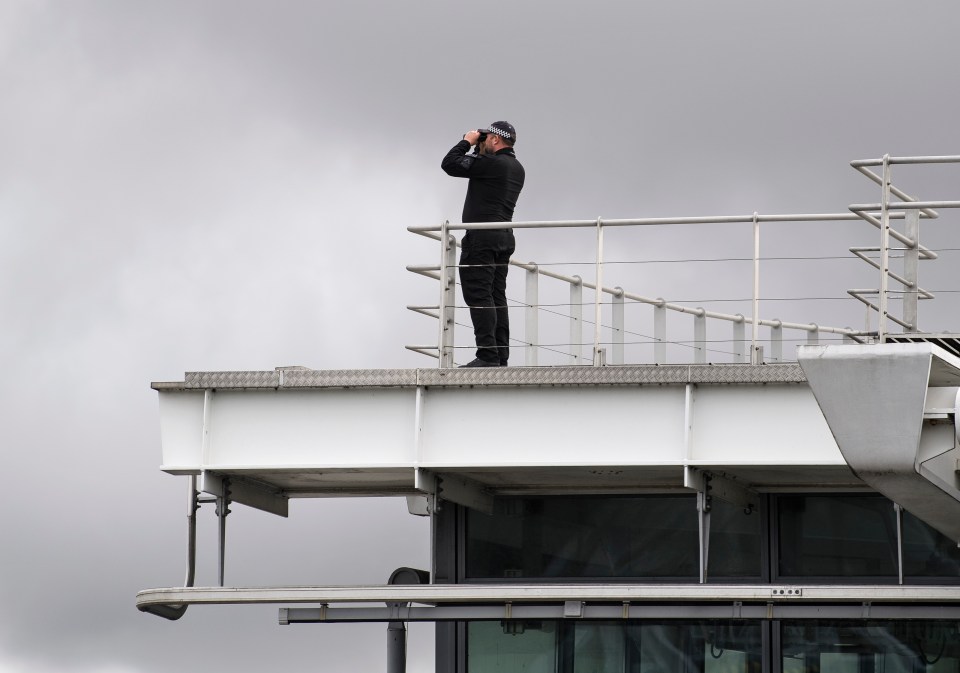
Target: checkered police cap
502,129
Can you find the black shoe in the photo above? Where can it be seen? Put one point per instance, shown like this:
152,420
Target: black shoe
479,363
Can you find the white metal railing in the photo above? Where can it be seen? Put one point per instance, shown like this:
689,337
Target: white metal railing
912,212
909,209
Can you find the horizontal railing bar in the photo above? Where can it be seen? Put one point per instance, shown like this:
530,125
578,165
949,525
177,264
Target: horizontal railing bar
429,311
428,271
910,205
640,222
432,351
906,160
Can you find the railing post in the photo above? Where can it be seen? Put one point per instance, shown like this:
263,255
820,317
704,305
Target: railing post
911,260
531,334
700,336
598,354
776,342
617,317
739,340
576,320
660,332
755,355
448,296
813,336
884,250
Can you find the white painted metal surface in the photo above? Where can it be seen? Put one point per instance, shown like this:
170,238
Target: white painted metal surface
875,399
533,593
604,429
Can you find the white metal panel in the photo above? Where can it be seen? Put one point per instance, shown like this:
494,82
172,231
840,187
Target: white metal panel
312,428
760,425
181,430
553,426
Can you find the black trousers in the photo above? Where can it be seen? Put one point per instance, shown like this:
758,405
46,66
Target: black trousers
484,261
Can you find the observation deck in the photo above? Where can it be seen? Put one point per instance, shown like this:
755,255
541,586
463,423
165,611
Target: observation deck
870,411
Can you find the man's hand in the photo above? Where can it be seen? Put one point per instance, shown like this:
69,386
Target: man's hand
472,137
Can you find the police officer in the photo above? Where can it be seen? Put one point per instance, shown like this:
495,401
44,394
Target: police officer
496,178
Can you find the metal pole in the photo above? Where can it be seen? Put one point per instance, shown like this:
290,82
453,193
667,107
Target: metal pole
617,318
776,343
660,333
396,647
884,250
754,354
448,300
898,511
597,354
576,320
703,511
223,509
700,337
532,327
738,341
911,262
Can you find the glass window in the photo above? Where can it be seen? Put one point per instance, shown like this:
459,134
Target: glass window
845,536
513,647
614,647
884,647
926,552
608,537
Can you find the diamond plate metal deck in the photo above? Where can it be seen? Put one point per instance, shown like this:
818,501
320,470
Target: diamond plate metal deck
632,375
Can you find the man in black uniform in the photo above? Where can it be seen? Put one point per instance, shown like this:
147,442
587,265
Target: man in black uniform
496,178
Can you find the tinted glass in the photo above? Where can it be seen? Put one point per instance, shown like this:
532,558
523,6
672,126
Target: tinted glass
609,537
585,537
837,536
927,553
882,647
614,647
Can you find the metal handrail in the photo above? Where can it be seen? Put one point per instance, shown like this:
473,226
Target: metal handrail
435,272
914,210
879,215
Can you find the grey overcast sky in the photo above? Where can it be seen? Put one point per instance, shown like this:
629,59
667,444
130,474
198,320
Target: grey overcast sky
226,185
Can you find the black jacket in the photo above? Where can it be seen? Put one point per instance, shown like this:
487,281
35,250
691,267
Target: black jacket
495,182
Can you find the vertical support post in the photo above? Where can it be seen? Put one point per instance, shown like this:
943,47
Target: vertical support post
617,318
396,647
813,336
776,341
597,352
911,262
223,509
448,296
531,334
700,336
703,511
755,356
576,321
739,341
884,250
898,512
660,332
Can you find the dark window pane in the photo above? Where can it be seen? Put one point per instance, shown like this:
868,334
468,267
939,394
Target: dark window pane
609,537
735,540
842,646
520,646
614,647
837,536
927,553
571,537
